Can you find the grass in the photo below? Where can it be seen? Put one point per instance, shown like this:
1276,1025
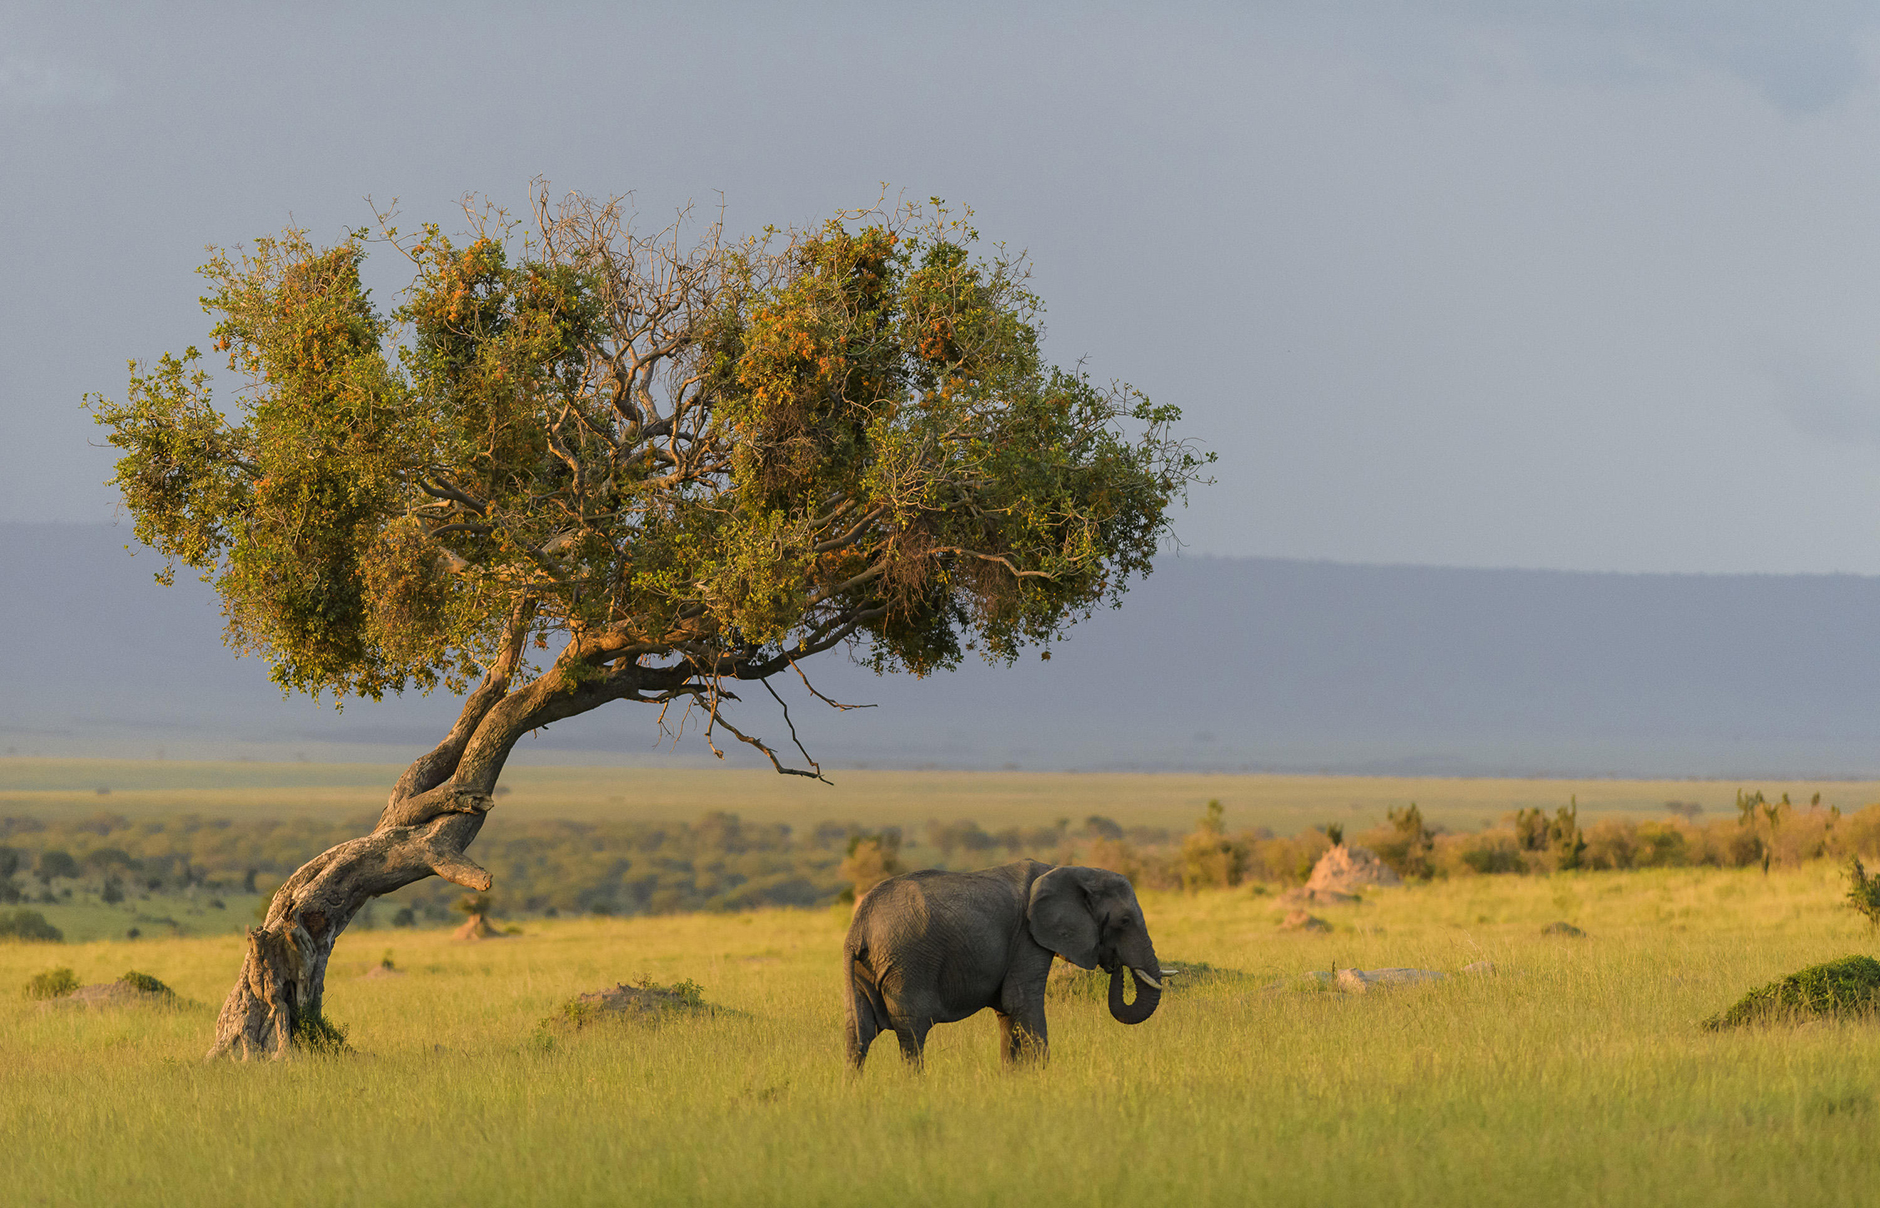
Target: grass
52,788
85,918
1578,1073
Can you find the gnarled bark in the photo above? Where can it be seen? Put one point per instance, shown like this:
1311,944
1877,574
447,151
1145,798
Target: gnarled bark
432,816
284,974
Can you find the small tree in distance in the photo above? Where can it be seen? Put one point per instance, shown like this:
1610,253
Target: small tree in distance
579,465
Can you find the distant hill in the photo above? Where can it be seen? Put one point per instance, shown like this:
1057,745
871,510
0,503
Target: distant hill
1213,663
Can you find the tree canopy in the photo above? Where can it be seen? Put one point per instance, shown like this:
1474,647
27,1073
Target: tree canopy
670,462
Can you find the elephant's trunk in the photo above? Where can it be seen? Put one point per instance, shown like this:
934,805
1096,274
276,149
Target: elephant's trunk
1148,993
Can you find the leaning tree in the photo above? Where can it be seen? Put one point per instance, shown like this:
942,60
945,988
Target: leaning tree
580,465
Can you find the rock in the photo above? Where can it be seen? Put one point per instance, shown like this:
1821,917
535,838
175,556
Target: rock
1344,869
1362,981
1481,968
1566,929
1299,920
1359,981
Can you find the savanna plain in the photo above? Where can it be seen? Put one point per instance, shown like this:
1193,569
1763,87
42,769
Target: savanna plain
1576,1071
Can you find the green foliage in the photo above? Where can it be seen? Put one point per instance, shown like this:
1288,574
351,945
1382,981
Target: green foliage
1407,847
963,836
1863,891
28,925
55,863
1849,987
143,983
1493,854
731,455
1209,858
320,1036
1559,837
53,983
645,1001
1762,820
472,904
871,859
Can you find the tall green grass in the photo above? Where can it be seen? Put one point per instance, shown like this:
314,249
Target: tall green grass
1576,1073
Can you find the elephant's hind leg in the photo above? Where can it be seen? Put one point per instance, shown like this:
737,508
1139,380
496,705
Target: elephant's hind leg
867,1014
912,1033
862,1033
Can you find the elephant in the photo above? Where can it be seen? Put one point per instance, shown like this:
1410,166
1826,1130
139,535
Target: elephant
935,947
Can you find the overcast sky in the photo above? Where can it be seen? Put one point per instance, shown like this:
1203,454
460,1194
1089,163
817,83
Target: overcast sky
1457,283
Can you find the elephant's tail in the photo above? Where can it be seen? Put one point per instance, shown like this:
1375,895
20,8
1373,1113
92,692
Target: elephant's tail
867,1012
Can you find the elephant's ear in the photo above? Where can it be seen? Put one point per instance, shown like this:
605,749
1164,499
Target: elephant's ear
1060,919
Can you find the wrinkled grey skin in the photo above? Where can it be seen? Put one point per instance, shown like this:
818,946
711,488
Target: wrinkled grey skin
935,947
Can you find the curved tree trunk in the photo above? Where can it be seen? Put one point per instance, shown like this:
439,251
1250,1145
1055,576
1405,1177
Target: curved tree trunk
277,998
434,812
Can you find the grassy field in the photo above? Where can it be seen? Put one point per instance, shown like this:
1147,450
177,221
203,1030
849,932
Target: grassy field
1574,1074
49,788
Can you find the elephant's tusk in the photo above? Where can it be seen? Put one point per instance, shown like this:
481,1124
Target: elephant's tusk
1145,979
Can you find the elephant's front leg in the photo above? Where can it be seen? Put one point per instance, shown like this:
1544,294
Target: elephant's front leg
1022,1035
1022,1040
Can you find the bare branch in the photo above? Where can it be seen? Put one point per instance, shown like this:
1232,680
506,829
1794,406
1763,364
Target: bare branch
718,719
782,704
834,704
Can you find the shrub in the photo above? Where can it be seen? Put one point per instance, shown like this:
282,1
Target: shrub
1407,845
1609,845
960,837
53,983
28,925
1859,832
1209,858
872,859
645,1001
1286,860
1117,856
1559,837
1744,849
1762,819
146,984
1660,845
1863,891
55,863
1847,987
1490,852
319,1035
1564,838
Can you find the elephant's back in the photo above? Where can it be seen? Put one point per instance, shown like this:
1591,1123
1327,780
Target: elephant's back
890,914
